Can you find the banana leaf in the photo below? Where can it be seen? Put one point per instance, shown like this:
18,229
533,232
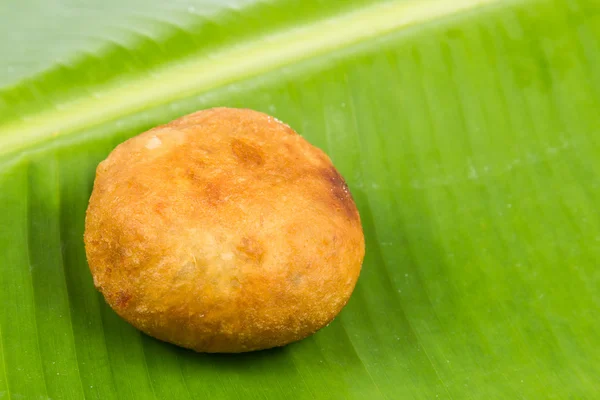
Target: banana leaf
468,132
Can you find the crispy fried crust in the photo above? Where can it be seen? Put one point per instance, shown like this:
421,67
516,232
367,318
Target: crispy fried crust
223,231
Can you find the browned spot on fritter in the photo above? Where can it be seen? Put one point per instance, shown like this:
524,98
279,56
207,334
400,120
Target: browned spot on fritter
212,192
115,256
340,192
190,173
194,163
123,298
252,249
246,153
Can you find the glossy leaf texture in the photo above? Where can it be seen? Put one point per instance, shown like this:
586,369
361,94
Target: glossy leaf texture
468,132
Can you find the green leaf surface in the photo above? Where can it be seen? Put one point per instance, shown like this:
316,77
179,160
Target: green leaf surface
468,132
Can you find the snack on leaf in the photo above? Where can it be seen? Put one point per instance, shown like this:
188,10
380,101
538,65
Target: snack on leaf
223,231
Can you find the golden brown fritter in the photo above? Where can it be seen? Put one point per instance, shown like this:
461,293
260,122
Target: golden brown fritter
223,231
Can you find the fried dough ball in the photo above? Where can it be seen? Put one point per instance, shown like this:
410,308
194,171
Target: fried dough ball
223,231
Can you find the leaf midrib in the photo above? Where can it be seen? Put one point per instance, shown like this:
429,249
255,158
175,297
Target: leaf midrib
200,74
